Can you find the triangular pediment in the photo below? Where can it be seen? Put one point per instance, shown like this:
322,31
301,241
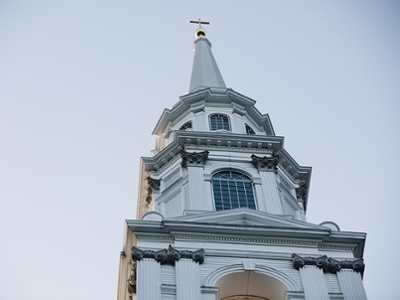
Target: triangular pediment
244,216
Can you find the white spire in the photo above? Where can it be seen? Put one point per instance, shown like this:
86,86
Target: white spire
205,72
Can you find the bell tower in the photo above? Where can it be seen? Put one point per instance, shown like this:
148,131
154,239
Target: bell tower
222,208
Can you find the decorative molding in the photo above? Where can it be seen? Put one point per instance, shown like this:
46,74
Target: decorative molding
238,110
243,148
330,247
153,186
237,239
197,108
265,163
328,264
193,158
301,191
293,177
168,256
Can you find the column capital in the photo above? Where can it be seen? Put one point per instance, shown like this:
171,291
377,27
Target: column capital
154,184
328,264
168,256
193,158
265,163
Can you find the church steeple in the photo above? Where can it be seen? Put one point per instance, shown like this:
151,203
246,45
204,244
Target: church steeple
205,72
222,180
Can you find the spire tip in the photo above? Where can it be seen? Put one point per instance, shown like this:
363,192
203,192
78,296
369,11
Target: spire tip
200,33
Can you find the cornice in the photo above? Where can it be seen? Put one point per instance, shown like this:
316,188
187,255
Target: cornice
227,148
229,139
163,159
244,239
211,140
324,238
300,175
210,96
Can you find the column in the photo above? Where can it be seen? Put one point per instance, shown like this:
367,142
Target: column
314,284
187,280
351,285
148,279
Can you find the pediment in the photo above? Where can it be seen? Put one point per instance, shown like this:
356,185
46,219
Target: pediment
247,217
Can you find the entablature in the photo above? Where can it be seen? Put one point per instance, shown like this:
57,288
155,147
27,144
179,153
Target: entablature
320,239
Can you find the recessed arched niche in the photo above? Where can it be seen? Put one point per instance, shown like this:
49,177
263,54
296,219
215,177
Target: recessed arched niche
250,285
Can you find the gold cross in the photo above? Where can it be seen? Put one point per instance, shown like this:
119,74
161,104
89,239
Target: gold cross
200,22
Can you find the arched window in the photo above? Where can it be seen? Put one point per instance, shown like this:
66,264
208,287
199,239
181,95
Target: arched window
219,121
249,130
186,126
232,190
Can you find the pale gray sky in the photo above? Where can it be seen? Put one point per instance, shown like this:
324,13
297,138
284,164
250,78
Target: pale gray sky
83,83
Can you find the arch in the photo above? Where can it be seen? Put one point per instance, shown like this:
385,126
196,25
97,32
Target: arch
219,121
259,281
187,125
214,276
232,189
233,166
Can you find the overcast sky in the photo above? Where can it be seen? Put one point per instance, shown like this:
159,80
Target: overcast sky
83,83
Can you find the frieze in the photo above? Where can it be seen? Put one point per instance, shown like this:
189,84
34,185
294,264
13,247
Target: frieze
194,158
168,256
328,264
265,163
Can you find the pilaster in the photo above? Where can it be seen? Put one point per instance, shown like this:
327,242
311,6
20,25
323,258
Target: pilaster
314,284
267,167
196,188
148,279
351,285
261,198
187,280
270,190
194,163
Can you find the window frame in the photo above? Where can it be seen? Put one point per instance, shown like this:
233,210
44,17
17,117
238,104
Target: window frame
187,128
238,186
221,115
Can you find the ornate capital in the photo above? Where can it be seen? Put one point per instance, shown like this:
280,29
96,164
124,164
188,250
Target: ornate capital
301,191
265,163
154,184
168,256
328,264
194,158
